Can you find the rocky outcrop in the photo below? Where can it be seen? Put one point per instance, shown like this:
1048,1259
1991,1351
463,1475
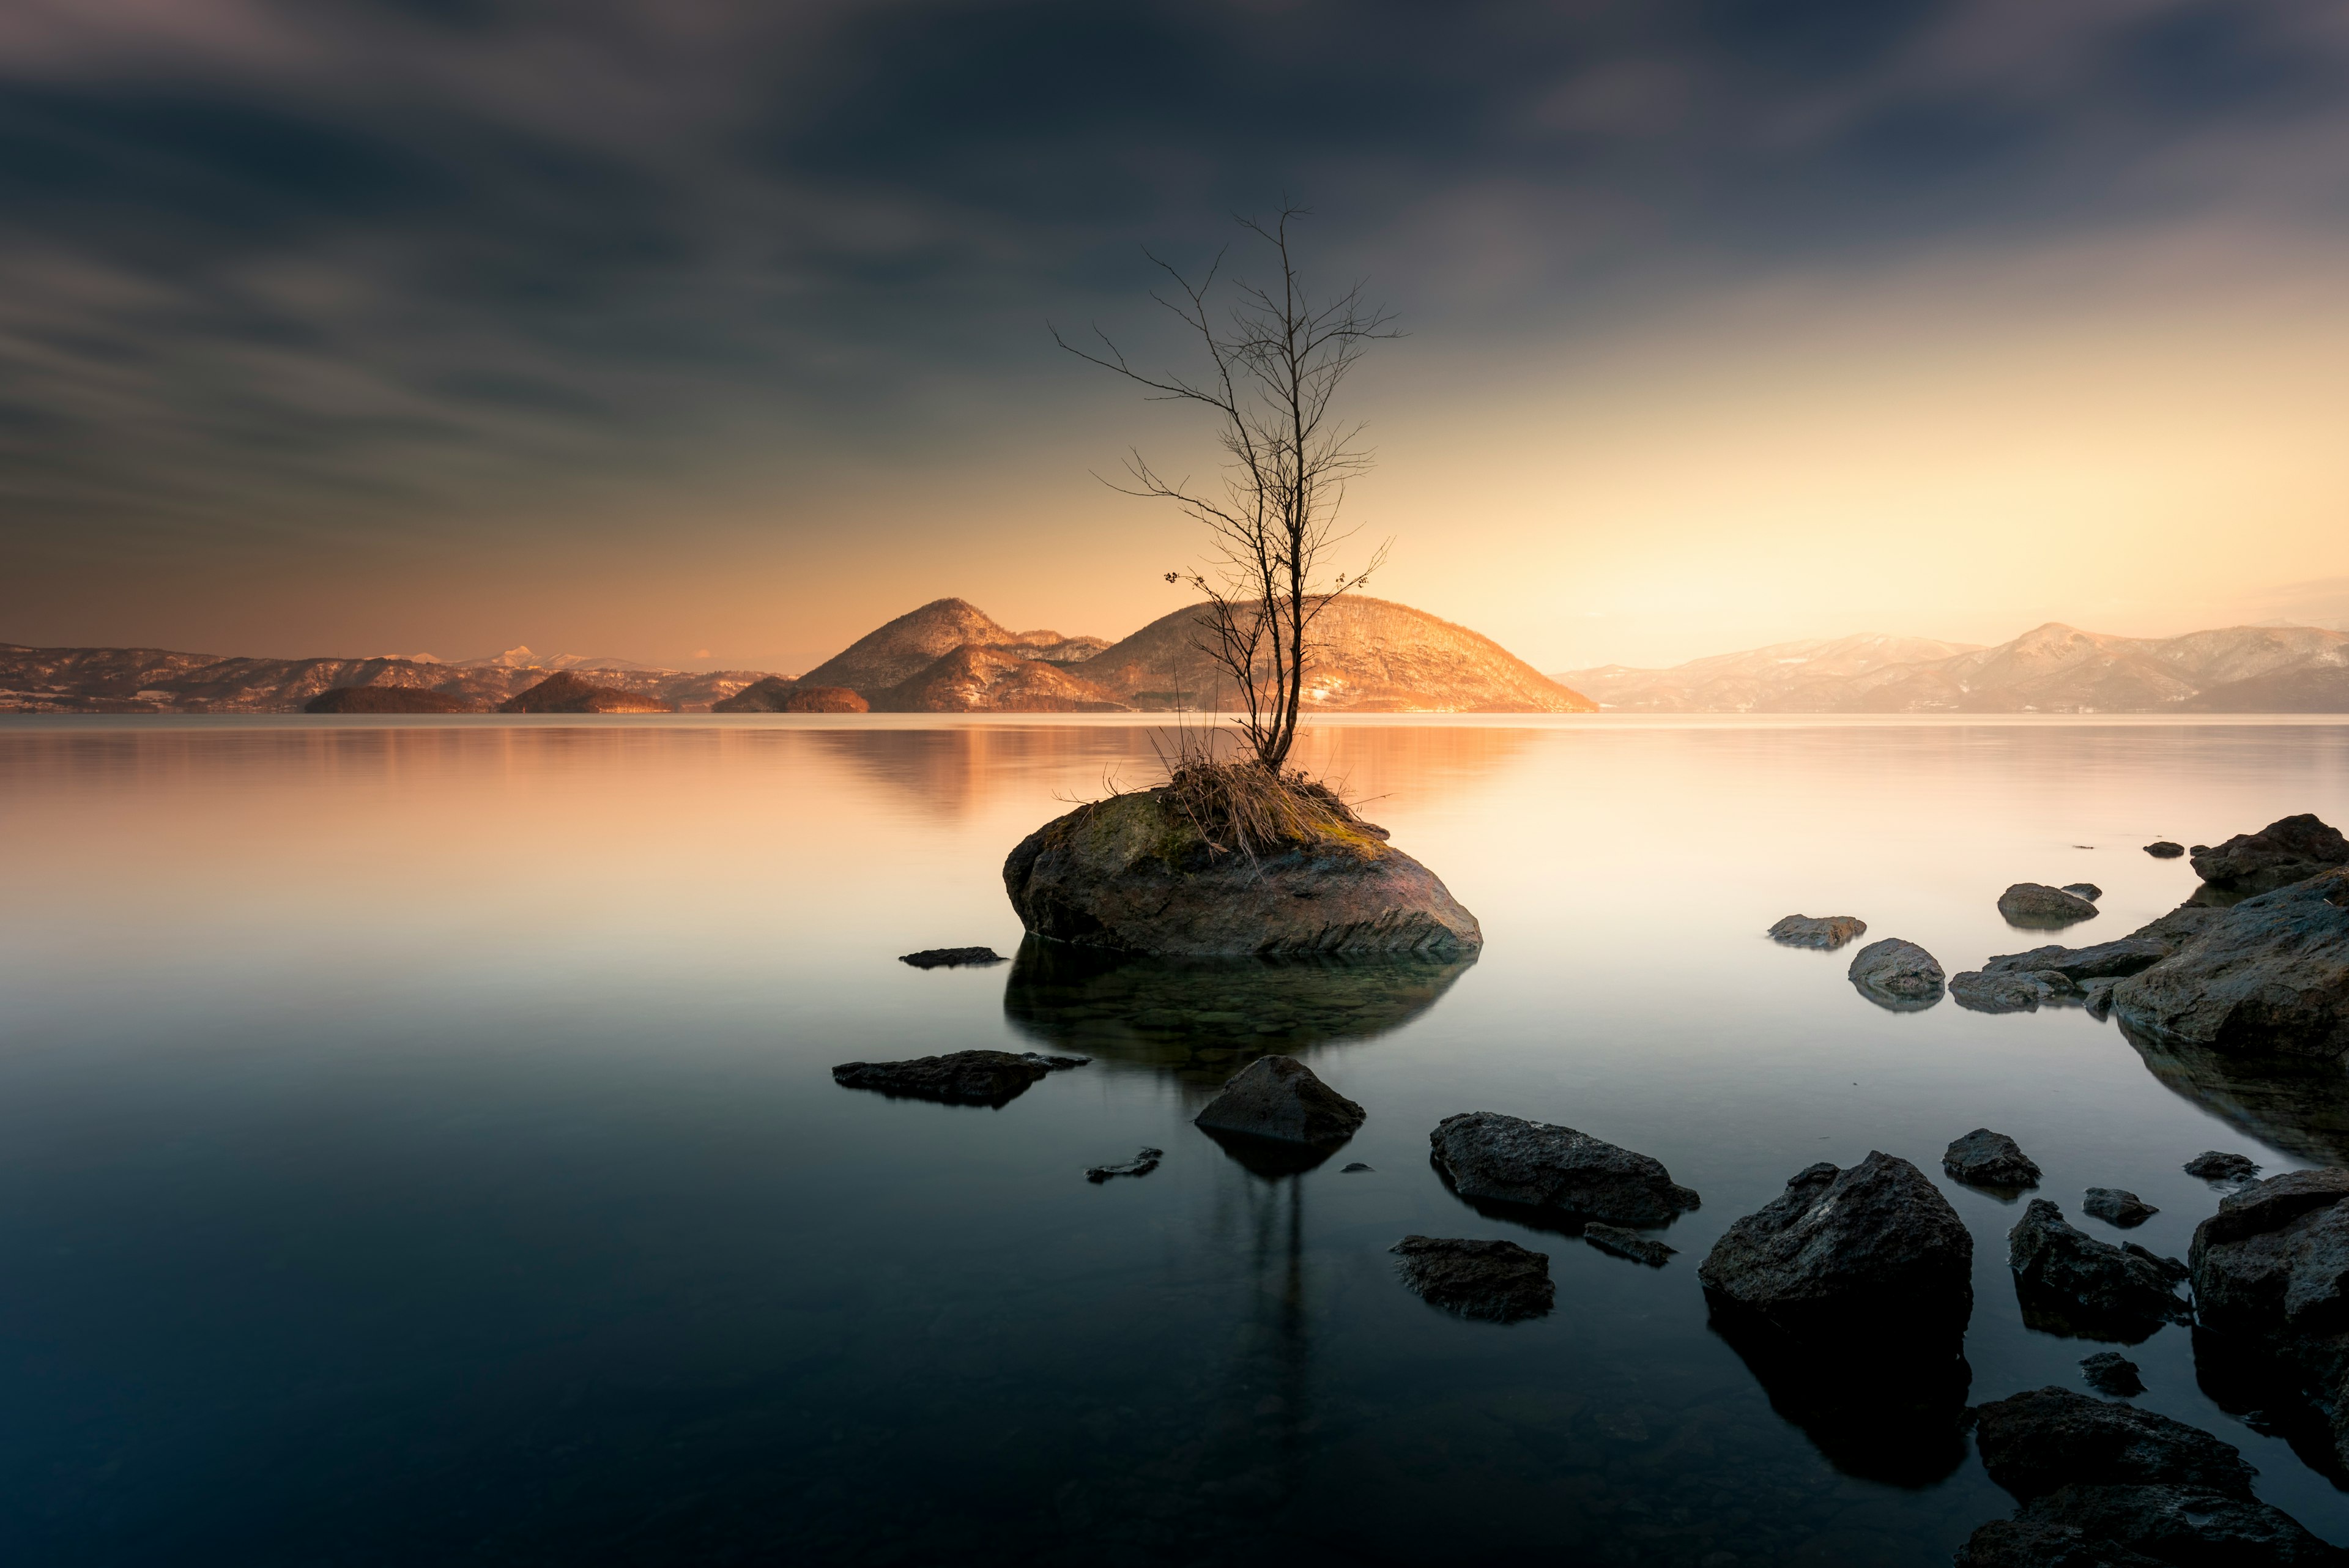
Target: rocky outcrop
1494,1159
1829,931
2270,1272
2165,850
2123,955
2115,1207
2087,891
1897,974
950,958
2036,904
2269,975
1494,1282
1987,1159
1279,1098
389,699
2216,1165
563,692
2093,1287
1858,1249
2110,1372
2290,850
1135,873
957,1078
2009,990
2104,1482
1622,1243
1142,1163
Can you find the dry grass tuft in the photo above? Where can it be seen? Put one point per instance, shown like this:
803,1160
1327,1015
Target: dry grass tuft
1240,805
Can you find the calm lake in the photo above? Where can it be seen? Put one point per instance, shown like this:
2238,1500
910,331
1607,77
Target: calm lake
418,1143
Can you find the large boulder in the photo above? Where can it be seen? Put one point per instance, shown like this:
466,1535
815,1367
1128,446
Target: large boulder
1987,1159
2091,1286
1496,1281
2269,975
1279,1098
1829,931
2037,904
2270,1273
1494,1159
2122,956
2283,852
1136,873
957,1078
2009,990
1839,1250
1897,974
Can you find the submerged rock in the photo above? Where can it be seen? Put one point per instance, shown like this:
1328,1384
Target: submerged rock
2110,1372
950,958
1863,1248
2271,1274
2269,975
1897,974
2008,991
1987,1159
1627,1243
1495,1159
1142,1163
2290,850
957,1078
2163,849
2211,1164
1494,1282
2095,1287
2036,904
2036,1441
1279,1098
1133,873
2115,1207
1829,931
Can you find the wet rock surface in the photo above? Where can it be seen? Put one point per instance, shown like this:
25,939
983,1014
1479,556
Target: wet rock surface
2101,1289
2037,904
2101,1481
2009,990
2123,955
1987,1159
2269,975
1897,974
2270,1271
1829,931
1625,1243
2216,1165
950,958
957,1078
1491,1281
1487,1156
1142,1163
2163,849
2109,1372
1281,1099
1861,1249
2289,850
2087,891
2115,1205
1132,874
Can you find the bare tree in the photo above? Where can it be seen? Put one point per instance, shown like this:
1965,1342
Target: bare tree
1276,358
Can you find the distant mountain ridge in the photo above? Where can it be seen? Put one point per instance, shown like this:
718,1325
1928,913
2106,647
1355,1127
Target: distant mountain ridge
2052,669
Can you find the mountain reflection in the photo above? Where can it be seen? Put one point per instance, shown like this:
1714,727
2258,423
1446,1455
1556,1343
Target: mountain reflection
1203,1019
2297,1103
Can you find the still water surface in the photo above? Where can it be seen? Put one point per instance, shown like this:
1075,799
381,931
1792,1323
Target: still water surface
417,1142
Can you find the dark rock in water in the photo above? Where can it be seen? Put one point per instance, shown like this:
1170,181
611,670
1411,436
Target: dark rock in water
2269,975
2097,997
2104,1483
2163,849
1849,1249
2036,904
1987,1159
1498,1159
1896,974
2122,956
2099,1290
2115,1207
1142,1163
1818,931
2283,852
2087,891
1349,1171
2008,991
947,958
1494,1282
2271,1273
1279,1098
1627,1243
2110,1372
2211,1164
1133,873
958,1078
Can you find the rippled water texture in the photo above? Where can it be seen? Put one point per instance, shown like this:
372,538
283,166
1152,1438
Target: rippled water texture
417,1143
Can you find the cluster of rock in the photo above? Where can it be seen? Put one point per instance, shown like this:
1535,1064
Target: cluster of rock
2271,1271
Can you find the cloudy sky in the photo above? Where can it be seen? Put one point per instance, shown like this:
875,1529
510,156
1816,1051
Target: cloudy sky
712,332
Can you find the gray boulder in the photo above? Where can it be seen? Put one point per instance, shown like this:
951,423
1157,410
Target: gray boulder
957,1078
2063,1272
2087,891
2271,1274
2214,1165
1494,1282
1987,1159
2123,955
1871,1248
2269,975
2036,904
2009,990
2115,1207
1133,873
2283,852
2109,1372
2163,849
1495,1159
1820,931
1897,974
1279,1097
